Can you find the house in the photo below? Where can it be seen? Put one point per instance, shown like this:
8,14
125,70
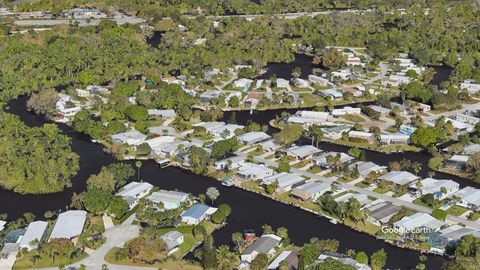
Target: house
322,160
232,94
354,135
303,152
342,259
209,95
460,126
291,257
361,198
282,83
335,132
131,137
319,80
71,111
381,110
174,80
471,87
13,236
229,163
250,171
169,199
355,92
82,93
439,188
165,114
416,221
266,244
243,83
200,41
471,149
342,74
396,138
330,93
2,225
173,239
8,254
469,198
270,145
134,191
172,148
157,143
252,98
254,137
298,82
69,225
366,167
458,162
197,213
80,13
421,107
33,235
400,178
381,213
323,116
346,110
286,181
98,89
311,190
400,108
396,80
219,129
466,118
304,120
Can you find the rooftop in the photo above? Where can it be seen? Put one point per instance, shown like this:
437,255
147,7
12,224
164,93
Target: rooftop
167,196
69,224
399,177
196,211
133,189
284,179
263,244
303,151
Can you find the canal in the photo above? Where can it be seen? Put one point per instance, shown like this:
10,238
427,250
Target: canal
250,211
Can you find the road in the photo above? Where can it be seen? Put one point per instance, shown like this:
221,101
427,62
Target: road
471,107
396,201
116,237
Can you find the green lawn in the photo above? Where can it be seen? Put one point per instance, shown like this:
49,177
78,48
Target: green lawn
168,264
456,210
26,262
381,190
353,118
302,164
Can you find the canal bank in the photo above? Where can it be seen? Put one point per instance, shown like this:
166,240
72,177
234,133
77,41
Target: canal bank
250,210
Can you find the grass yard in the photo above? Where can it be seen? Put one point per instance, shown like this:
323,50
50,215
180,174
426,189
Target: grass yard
368,227
353,118
381,190
168,264
286,198
26,262
456,210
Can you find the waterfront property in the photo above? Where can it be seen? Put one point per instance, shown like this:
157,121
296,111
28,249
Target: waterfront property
400,178
289,256
381,213
469,198
366,167
229,163
311,190
33,235
342,259
354,135
251,171
164,114
361,198
335,132
381,110
458,162
303,152
173,239
134,191
396,138
254,137
471,149
331,93
266,244
132,137
2,225
169,199
439,188
69,225
327,160
197,213
346,110
285,181
418,220
219,129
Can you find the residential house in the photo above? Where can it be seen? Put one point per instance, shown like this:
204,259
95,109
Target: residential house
169,199
400,108
165,114
418,220
304,120
344,259
355,92
134,191
35,232
471,149
400,178
439,188
252,98
82,93
229,163
286,181
466,118
420,107
291,257
2,225
330,93
381,110
131,137
311,190
407,129
354,135
298,82
270,145
319,80
396,80
366,167
472,88
197,213
346,110
469,198
251,171
381,213
243,83
232,94
458,162
361,198
323,116
69,225
322,160
209,95
254,137
172,148
282,83
173,239
266,244
343,74
396,138
335,132
81,13
303,152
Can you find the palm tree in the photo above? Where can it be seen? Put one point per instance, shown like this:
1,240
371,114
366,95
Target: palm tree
417,167
226,259
138,164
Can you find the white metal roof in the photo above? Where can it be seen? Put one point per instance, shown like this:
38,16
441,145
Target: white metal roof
35,231
69,224
133,189
284,179
253,137
418,220
399,177
303,151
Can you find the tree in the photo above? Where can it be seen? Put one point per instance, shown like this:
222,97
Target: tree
199,159
225,209
330,59
260,262
283,167
417,91
143,149
426,136
103,180
125,89
138,164
378,259
330,263
222,148
121,172
296,72
289,134
218,217
43,102
226,260
137,112
473,164
267,229
212,193
234,103
362,257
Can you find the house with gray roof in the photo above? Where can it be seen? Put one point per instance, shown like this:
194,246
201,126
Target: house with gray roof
173,239
251,171
344,259
253,137
417,220
381,213
400,178
289,256
134,191
322,160
165,114
69,225
34,234
311,190
286,181
169,198
366,167
197,213
131,137
266,244
230,163
471,149
469,198
302,152
458,162
335,132
439,188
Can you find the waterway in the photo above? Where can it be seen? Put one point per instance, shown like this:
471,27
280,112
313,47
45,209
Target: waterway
250,211
284,70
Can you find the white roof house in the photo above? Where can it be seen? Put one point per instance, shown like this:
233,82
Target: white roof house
282,83
366,167
344,74
226,131
166,114
69,224
383,111
361,198
303,152
457,161
396,138
173,239
266,244
286,181
367,136
418,220
242,83
230,163
335,132
131,137
313,114
2,225
471,149
321,160
250,171
435,187
134,191
332,93
343,259
470,197
170,199
346,110
304,120
253,137
399,177
35,232
472,88
319,80
197,213
311,190
286,255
